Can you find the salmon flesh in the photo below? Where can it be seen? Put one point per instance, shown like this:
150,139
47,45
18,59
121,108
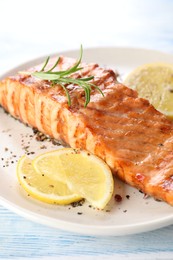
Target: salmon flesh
134,139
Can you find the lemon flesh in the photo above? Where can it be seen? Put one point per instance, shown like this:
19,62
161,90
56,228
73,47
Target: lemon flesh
155,83
51,165
42,187
84,173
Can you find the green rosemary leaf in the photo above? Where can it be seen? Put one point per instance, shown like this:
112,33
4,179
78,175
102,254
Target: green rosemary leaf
87,96
46,62
56,63
67,93
96,87
75,67
66,72
86,79
80,58
46,76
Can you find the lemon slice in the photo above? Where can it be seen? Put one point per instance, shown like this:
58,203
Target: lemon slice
84,173
155,83
42,187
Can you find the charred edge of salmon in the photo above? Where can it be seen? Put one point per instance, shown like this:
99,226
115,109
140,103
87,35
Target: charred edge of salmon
39,136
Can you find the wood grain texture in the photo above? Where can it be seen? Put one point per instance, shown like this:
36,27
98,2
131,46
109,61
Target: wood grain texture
22,238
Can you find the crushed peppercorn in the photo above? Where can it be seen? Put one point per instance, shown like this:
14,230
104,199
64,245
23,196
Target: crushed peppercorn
118,198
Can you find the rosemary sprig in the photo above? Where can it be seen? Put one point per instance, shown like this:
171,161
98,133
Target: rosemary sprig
63,78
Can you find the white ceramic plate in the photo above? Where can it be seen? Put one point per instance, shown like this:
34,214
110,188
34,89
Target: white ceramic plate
133,214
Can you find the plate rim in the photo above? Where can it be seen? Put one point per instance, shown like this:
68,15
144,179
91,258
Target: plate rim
42,57
119,230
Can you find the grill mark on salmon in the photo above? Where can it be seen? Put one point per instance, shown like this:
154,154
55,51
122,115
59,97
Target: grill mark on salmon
134,139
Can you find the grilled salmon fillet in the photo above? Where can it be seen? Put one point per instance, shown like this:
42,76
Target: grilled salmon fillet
134,139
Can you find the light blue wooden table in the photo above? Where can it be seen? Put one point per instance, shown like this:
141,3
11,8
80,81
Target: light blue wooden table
29,29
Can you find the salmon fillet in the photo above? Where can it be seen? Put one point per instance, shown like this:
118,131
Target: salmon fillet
134,139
